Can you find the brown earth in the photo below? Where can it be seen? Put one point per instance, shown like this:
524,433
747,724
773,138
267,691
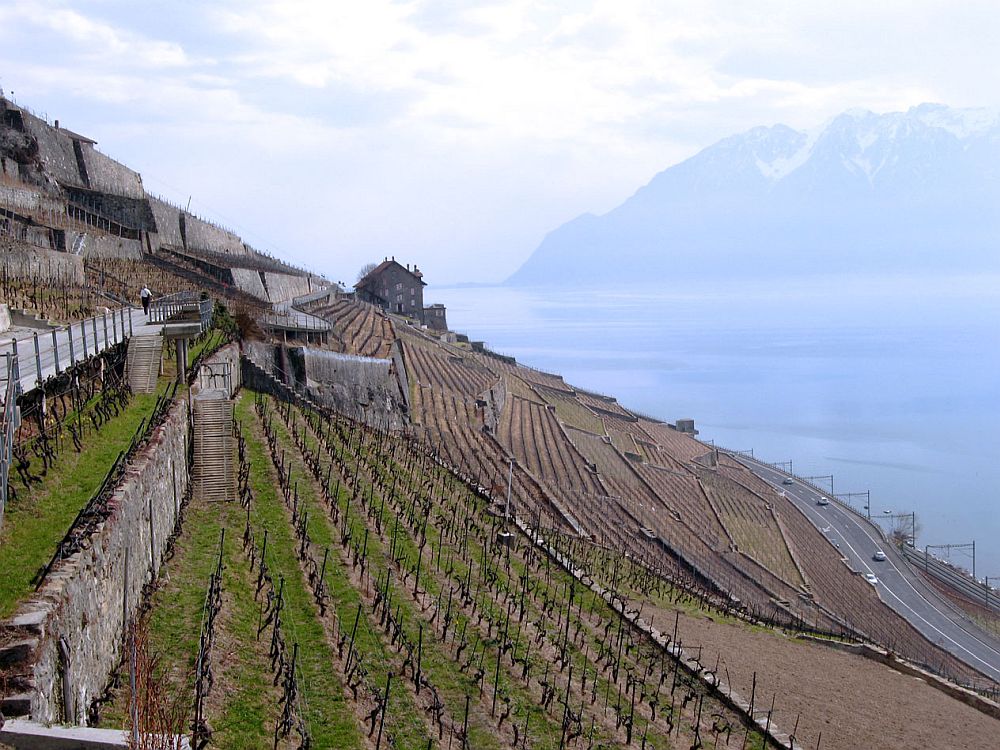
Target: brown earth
853,701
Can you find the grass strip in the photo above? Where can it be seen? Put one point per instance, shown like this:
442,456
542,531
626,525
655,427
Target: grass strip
40,518
329,715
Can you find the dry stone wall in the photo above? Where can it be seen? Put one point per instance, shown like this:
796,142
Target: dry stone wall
200,235
109,246
109,176
24,200
248,280
168,223
282,287
85,602
42,264
55,149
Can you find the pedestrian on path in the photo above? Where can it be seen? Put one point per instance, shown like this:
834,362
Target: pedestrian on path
145,295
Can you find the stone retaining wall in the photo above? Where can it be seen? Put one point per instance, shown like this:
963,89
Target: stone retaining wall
72,628
50,265
282,287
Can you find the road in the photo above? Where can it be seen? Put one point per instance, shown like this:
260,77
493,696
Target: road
899,586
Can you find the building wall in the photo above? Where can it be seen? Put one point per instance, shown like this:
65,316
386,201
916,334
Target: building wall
435,318
403,292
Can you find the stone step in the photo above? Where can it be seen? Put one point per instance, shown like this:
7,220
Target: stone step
144,362
214,470
16,705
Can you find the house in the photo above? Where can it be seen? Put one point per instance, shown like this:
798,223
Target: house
395,288
435,318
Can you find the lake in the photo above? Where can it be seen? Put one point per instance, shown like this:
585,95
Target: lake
889,384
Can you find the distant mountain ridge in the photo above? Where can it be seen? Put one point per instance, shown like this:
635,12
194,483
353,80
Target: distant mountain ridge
912,191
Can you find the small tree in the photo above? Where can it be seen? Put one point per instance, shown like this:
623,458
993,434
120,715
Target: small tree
366,269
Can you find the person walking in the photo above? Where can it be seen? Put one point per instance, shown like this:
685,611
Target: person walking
145,295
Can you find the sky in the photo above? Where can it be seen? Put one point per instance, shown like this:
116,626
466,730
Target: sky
451,134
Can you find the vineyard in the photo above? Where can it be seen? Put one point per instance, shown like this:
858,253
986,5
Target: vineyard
720,527
360,328
384,613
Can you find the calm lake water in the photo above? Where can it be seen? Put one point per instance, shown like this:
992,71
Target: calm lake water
891,385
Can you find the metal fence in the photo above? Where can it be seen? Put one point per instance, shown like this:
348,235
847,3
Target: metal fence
186,305
51,352
10,422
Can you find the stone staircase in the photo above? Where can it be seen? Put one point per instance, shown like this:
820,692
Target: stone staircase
144,362
214,470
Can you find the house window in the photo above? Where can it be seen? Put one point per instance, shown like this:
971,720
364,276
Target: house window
399,298
412,292
399,286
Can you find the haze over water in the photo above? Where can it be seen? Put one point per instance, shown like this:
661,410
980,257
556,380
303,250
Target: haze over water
889,384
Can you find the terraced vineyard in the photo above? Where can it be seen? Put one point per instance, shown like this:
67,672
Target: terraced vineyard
448,372
784,571
752,525
379,570
360,328
532,433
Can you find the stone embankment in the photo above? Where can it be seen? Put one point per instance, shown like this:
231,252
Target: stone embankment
63,643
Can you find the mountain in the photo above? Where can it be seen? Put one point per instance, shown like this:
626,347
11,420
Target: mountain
912,191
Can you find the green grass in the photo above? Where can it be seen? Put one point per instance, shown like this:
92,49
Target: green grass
40,518
329,716
208,343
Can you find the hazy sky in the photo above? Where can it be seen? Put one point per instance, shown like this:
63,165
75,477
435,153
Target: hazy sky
456,134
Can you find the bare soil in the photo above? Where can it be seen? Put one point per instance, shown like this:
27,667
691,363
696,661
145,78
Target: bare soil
853,701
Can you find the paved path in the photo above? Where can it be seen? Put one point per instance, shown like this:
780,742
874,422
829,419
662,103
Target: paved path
88,338
899,586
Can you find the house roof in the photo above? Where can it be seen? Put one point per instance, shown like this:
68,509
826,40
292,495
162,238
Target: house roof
370,278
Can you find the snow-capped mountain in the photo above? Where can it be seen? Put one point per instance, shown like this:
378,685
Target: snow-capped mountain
902,191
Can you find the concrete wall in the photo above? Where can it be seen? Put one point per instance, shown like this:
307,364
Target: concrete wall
282,287
4,318
43,264
87,598
248,280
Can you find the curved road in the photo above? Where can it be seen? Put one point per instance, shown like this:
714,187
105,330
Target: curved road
898,584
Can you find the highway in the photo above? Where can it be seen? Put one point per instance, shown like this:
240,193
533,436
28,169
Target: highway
899,586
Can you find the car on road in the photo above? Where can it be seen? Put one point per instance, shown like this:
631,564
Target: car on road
879,556
788,480
823,500
870,577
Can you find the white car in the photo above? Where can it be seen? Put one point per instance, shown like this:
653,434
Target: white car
788,480
870,577
879,556
823,500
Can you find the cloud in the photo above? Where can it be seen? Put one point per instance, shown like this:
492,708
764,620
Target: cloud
463,129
